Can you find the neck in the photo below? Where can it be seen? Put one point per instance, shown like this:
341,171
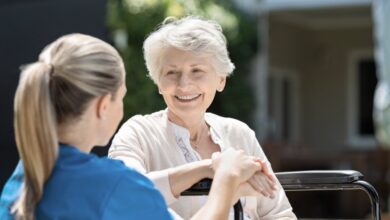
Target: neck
195,125
76,135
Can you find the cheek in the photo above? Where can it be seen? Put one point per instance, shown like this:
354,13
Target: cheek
163,87
117,113
120,110
209,84
167,98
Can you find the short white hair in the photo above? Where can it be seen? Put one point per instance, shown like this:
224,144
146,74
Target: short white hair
189,34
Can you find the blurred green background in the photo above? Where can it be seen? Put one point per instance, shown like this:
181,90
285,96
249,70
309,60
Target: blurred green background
130,22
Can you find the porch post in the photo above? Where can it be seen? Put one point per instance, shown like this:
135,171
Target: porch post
259,77
381,15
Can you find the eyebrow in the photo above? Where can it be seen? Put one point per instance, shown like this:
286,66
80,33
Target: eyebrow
197,64
192,65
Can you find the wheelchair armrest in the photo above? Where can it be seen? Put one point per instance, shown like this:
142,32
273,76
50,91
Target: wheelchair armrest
200,188
319,180
318,177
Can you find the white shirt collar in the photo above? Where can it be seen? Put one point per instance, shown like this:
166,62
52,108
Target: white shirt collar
182,137
182,132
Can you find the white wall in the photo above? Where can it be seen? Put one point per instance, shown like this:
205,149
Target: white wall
320,57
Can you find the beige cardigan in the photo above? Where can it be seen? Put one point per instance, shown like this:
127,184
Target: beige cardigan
148,144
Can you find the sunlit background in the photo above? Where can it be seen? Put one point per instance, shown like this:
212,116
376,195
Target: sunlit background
306,74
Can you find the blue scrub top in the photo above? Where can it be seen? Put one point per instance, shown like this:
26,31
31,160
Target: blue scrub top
84,186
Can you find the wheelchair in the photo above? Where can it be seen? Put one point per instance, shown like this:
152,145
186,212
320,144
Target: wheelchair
314,180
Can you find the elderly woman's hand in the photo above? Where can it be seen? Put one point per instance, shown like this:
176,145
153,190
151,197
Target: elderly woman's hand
263,181
260,185
235,164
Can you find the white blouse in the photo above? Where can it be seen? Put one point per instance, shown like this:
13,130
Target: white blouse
151,144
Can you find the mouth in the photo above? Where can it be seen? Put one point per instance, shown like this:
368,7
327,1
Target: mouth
187,98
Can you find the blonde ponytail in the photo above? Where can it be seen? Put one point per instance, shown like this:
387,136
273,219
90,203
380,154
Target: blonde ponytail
36,135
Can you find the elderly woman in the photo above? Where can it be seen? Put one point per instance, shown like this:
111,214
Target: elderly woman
188,61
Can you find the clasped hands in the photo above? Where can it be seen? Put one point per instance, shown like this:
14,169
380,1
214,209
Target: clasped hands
253,175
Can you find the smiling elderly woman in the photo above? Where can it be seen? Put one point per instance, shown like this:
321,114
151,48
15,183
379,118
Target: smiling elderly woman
189,62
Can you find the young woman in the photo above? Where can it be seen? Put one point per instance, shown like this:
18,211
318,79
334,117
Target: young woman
66,103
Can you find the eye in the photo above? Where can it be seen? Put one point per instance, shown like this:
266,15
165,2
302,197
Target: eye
171,72
196,70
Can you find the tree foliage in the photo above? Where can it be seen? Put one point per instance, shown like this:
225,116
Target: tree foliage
130,22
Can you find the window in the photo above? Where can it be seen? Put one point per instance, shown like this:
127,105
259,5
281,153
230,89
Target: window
283,111
362,82
366,87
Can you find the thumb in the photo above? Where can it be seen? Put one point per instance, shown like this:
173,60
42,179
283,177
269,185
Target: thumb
215,155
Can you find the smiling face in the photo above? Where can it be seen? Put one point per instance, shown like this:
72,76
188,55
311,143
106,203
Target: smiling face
188,83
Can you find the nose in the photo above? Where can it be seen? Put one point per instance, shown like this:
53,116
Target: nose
184,80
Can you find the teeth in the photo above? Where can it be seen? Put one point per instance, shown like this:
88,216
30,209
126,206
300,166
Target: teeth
187,97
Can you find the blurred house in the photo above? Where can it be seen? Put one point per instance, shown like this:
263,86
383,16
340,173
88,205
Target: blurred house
315,80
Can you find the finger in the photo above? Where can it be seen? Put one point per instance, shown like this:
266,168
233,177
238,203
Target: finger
253,167
272,182
273,185
255,185
266,169
263,184
215,155
266,184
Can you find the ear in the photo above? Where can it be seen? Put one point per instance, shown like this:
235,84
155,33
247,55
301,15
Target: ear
103,104
221,83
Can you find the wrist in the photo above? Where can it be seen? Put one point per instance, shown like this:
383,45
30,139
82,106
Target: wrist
226,185
229,177
208,168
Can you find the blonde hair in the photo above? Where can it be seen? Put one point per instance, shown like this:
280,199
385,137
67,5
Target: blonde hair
56,89
189,34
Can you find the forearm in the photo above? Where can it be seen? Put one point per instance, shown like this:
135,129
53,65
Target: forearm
184,176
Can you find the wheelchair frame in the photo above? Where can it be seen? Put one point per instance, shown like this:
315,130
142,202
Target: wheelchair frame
314,180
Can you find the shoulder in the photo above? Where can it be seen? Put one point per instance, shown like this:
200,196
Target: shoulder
235,133
111,175
159,116
133,196
227,125
99,187
146,122
142,129
11,192
115,169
